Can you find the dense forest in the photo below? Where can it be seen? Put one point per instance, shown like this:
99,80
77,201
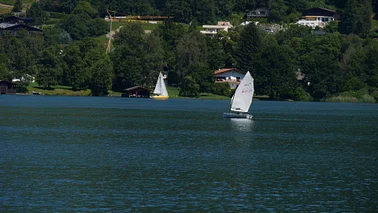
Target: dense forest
341,61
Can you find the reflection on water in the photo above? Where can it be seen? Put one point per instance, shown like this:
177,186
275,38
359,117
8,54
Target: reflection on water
241,125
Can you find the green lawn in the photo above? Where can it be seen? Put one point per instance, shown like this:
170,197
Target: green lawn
67,91
9,2
145,26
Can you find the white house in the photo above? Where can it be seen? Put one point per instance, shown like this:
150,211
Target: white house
318,17
214,29
231,76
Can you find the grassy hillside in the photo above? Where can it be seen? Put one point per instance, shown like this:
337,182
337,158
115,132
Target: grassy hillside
5,10
9,2
103,40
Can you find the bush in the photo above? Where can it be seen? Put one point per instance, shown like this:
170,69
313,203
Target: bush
221,89
375,95
189,88
300,94
361,95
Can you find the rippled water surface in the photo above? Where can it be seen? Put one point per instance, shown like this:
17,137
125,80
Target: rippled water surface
88,154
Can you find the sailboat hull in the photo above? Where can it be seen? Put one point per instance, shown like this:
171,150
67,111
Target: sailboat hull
156,97
237,115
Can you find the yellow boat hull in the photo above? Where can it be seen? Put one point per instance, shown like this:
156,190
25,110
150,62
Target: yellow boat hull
160,97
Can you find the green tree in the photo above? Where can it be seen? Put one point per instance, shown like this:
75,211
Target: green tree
321,66
278,11
153,61
49,67
102,76
82,22
276,71
180,10
204,11
191,56
189,87
170,33
137,58
4,72
85,7
356,18
36,12
363,24
75,74
247,48
80,57
216,54
21,58
17,7
348,22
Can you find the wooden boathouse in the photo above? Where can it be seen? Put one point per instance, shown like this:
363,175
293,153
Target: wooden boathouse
7,87
136,92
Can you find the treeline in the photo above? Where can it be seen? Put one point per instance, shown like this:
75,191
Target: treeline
68,54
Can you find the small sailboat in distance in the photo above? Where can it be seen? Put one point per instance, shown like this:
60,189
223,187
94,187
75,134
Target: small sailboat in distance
160,92
242,99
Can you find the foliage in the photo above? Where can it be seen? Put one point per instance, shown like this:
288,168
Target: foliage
64,53
137,58
189,87
248,48
83,22
191,56
299,94
102,77
23,52
276,71
4,72
49,67
320,64
36,12
222,89
361,95
356,18
17,7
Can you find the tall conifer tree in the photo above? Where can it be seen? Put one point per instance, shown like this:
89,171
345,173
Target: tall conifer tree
247,48
348,21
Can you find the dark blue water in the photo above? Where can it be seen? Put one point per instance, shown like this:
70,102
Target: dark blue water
90,154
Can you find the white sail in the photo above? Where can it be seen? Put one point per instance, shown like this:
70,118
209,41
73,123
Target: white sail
160,88
242,99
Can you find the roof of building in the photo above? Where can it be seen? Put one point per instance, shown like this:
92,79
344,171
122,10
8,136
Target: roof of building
220,71
6,82
21,26
135,88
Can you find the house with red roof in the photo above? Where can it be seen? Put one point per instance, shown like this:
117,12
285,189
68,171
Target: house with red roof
231,76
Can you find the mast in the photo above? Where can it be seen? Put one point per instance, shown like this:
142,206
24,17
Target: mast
110,32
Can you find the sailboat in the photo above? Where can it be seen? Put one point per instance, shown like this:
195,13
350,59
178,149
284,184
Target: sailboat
160,92
242,99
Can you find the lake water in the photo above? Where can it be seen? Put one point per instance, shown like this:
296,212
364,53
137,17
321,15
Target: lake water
106,154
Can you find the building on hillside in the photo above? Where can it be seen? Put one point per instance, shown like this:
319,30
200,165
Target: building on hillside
7,87
232,76
136,92
318,17
12,24
260,12
212,30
